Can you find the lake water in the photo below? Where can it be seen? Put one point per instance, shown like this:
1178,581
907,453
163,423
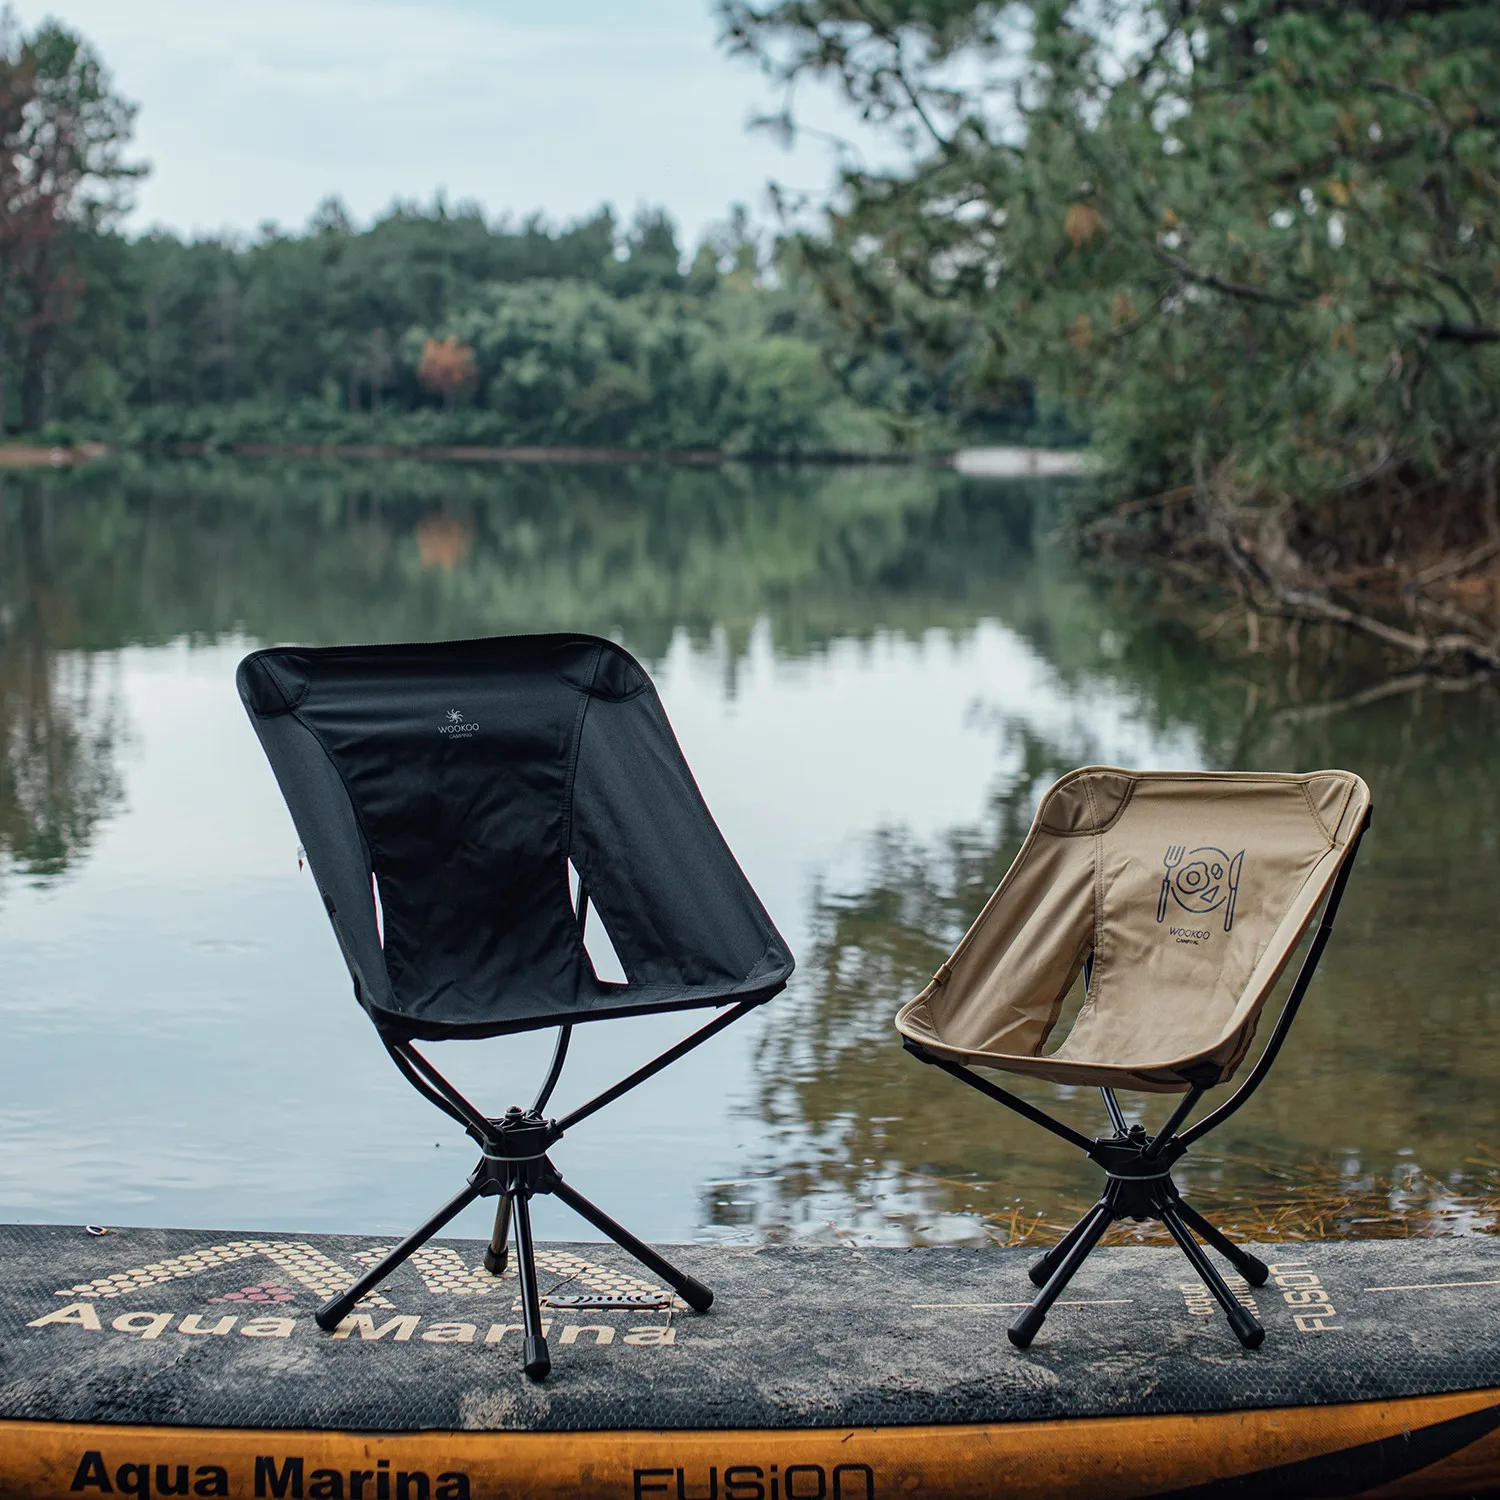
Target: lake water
874,675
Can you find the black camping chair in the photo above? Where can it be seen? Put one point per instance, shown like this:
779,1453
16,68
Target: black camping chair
441,793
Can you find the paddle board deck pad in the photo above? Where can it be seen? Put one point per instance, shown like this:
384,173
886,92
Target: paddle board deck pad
148,1363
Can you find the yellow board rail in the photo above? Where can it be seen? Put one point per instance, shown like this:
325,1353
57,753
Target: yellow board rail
1426,1445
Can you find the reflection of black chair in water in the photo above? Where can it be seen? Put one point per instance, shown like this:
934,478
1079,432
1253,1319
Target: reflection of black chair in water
1128,877
442,793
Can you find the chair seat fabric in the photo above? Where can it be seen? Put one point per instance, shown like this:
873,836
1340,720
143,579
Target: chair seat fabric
1188,891
441,792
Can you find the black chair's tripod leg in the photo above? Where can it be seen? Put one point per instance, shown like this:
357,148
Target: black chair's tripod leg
336,1309
693,1292
497,1253
1246,1326
1254,1271
1042,1269
1024,1329
538,1364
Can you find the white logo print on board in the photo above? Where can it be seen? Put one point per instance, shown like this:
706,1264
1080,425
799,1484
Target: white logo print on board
457,725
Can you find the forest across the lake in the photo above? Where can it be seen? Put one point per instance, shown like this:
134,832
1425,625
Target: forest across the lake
434,324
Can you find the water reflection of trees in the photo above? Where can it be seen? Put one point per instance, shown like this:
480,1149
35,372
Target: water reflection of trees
325,552
333,552
58,720
1380,1113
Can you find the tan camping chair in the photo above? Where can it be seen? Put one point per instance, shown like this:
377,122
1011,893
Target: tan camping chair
1179,896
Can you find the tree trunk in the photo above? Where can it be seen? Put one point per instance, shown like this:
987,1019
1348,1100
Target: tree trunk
34,384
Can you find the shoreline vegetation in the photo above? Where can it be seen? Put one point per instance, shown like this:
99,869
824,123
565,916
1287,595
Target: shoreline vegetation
1257,243
989,463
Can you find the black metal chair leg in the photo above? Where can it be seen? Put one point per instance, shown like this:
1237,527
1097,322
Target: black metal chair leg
1247,1328
693,1292
538,1363
1042,1270
497,1253
1024,1329
336,1309
1254,1271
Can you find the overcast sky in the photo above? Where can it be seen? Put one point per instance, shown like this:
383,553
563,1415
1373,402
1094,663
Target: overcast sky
255,111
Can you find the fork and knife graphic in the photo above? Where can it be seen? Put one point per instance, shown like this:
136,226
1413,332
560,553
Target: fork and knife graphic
1199,900
1171,859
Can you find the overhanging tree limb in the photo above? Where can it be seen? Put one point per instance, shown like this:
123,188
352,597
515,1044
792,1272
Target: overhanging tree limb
1461,333
1241,289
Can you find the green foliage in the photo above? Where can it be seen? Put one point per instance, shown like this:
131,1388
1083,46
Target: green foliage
321,338
63,178
75,128
569,364
585,334
214,320
1257,242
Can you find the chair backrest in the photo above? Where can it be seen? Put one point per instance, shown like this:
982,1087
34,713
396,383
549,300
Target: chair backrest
453,782
1188,891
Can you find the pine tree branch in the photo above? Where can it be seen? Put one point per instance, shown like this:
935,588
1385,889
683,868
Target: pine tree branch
1240,289
1461,333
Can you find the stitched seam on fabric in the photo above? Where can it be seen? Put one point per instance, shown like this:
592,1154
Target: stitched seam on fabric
479,1030
765,954
1104,827
1005,881
1061,1070
1035,832
1316,815
1061,999
585,699
293,701
1081,777
623,698
1250,778
1124,803
600,647
697,791
1343,810
1096,979
588,692
364,834
1037,829
1266,778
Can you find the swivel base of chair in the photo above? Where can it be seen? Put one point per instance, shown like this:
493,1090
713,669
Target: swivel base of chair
515,1168
1139,1186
